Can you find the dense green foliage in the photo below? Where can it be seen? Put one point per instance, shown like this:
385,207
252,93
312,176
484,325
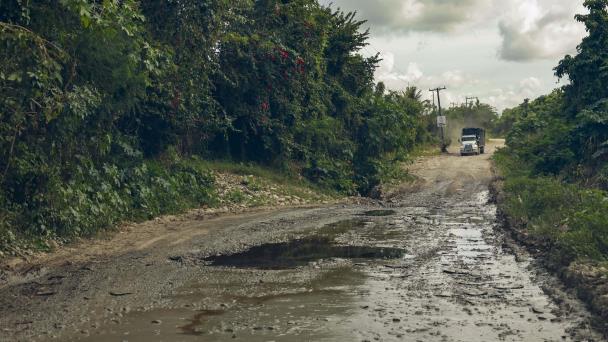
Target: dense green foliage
107,107
556,160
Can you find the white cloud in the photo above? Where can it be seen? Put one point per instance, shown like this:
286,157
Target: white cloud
527,29
459,84
387,73
391,16
457,81
539,29
530,87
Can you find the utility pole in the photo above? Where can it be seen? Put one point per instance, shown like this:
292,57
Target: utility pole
440,124
470,98
469,112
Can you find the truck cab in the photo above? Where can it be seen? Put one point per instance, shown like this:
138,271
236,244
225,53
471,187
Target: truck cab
469,145
473,141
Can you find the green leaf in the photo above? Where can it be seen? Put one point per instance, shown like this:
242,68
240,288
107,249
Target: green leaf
15,77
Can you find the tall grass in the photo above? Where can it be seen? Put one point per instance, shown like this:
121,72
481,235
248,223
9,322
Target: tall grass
568,218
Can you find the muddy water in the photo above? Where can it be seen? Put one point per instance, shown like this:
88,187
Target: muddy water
412,274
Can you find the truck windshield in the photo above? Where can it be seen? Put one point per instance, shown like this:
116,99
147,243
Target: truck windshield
470,138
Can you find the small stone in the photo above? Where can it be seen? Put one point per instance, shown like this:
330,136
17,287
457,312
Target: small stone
537,310
157,321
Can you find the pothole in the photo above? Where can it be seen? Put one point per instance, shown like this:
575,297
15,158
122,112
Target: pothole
379,213
299,253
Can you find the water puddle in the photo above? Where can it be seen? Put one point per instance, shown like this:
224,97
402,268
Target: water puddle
300,252
379,213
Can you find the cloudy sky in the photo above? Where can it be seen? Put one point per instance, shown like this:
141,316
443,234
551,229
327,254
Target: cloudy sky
501,51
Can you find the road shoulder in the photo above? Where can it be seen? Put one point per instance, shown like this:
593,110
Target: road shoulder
586,280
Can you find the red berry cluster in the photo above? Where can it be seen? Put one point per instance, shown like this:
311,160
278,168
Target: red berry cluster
300,65
284,53
265,106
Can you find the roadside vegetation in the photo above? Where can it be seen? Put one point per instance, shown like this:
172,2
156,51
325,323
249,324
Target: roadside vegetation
556,160
113,110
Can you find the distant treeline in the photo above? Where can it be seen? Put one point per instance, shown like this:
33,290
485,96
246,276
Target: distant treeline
107,106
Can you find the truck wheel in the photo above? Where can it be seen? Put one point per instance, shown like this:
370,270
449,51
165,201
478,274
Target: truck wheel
482,150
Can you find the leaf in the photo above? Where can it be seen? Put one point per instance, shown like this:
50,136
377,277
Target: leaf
15,77
86,21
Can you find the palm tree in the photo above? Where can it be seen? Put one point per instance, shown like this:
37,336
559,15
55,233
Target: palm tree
412,92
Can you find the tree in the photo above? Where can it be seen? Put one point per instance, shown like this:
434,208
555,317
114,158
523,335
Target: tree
588,70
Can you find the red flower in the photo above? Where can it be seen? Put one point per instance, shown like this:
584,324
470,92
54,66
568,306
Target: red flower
265,106
284,53
300,61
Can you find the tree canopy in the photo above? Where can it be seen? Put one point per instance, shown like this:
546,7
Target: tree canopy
99,98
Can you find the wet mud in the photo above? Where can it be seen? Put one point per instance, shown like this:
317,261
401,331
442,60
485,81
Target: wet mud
435,267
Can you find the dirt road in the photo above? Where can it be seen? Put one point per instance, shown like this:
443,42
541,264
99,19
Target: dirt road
426,264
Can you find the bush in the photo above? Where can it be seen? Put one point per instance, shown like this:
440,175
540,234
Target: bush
569,218
95,199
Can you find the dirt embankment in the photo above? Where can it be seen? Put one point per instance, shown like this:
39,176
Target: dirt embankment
588,280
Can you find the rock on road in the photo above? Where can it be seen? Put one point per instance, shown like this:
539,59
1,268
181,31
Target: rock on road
427,264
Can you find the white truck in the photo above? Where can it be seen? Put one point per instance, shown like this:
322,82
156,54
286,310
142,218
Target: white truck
473,141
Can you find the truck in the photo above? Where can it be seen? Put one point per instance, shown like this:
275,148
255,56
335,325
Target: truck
472,141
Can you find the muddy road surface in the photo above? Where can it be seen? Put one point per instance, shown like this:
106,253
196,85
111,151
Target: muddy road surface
428,263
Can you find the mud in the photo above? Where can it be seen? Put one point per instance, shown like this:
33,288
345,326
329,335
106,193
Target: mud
428,264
